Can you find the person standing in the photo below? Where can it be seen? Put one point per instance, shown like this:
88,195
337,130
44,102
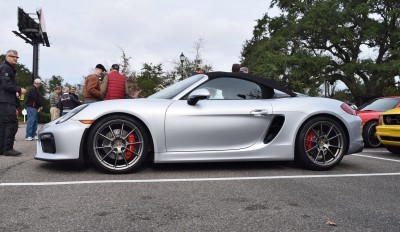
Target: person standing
9,93
92,92
235,67
67,102
54,98
72,91
33,106
114,85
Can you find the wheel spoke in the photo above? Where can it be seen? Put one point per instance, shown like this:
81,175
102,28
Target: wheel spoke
116,160
126,162
122,129
322,130
334,146
129,133
112,132
316,157
334,155
104,136
311,148
134,143
337,135
315,132
133,152
103,147
330,129
102,158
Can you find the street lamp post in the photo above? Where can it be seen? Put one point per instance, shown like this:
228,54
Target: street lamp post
182,59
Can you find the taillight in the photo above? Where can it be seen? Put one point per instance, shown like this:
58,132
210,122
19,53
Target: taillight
380,122
348,109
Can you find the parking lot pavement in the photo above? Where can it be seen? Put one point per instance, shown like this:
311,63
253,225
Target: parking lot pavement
360,194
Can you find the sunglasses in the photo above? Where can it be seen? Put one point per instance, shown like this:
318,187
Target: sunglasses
14,57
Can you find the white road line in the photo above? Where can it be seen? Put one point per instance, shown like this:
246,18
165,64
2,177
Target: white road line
194,179
373,157
375,151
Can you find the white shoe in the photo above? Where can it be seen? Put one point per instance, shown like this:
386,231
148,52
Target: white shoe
29,139
36,137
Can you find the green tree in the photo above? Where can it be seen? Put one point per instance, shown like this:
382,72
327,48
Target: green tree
54,82
314,41
150,79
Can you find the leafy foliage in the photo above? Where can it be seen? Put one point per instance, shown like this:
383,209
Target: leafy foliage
54,82
313,41
150,79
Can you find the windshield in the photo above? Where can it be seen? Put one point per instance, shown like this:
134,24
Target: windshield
380,104
173,90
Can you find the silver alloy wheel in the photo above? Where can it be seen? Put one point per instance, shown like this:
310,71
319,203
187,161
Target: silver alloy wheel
118,144
324,143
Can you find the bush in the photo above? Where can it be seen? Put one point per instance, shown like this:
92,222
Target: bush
44,117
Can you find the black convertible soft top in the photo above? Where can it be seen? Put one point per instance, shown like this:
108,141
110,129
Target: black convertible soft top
260,80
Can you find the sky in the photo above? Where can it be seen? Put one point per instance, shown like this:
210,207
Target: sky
83,33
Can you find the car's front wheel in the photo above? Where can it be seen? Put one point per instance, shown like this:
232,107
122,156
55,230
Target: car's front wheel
369,135
321,144
118,144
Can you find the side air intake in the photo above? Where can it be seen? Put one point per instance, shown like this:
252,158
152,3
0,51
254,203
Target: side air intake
276,126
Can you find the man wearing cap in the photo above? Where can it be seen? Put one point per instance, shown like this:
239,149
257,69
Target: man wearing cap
9,93
34,105
92,85
114,85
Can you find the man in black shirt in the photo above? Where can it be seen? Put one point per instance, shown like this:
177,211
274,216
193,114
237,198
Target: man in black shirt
33,105
9,94
72,91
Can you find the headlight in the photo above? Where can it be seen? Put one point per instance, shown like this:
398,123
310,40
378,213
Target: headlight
72,113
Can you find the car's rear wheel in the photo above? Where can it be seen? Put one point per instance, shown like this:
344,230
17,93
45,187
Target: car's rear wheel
118,144
369,136
393,149
320,144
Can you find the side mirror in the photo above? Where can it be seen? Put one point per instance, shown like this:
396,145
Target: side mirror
198,94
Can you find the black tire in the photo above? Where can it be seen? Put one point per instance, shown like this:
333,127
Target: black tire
320,144
118,144
393,149
369,136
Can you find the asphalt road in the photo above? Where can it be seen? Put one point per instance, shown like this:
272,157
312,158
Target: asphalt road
361,194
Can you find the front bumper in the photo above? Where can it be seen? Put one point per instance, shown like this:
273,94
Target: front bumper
60,141
388,135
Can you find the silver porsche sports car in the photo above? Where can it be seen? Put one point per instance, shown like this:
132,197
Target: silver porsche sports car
212,117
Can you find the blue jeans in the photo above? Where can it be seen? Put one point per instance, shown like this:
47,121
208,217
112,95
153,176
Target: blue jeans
31,126
89,101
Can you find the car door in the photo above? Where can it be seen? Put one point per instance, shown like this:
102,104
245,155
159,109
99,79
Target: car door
234,117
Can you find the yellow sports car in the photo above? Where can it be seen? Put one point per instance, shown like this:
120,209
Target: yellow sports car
388,130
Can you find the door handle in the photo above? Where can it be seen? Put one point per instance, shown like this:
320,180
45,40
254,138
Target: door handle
259,112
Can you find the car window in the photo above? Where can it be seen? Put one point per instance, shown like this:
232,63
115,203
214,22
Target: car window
232,89
172,90
380,104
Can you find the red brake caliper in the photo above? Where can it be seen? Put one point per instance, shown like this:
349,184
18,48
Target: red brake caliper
128,154
310,137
